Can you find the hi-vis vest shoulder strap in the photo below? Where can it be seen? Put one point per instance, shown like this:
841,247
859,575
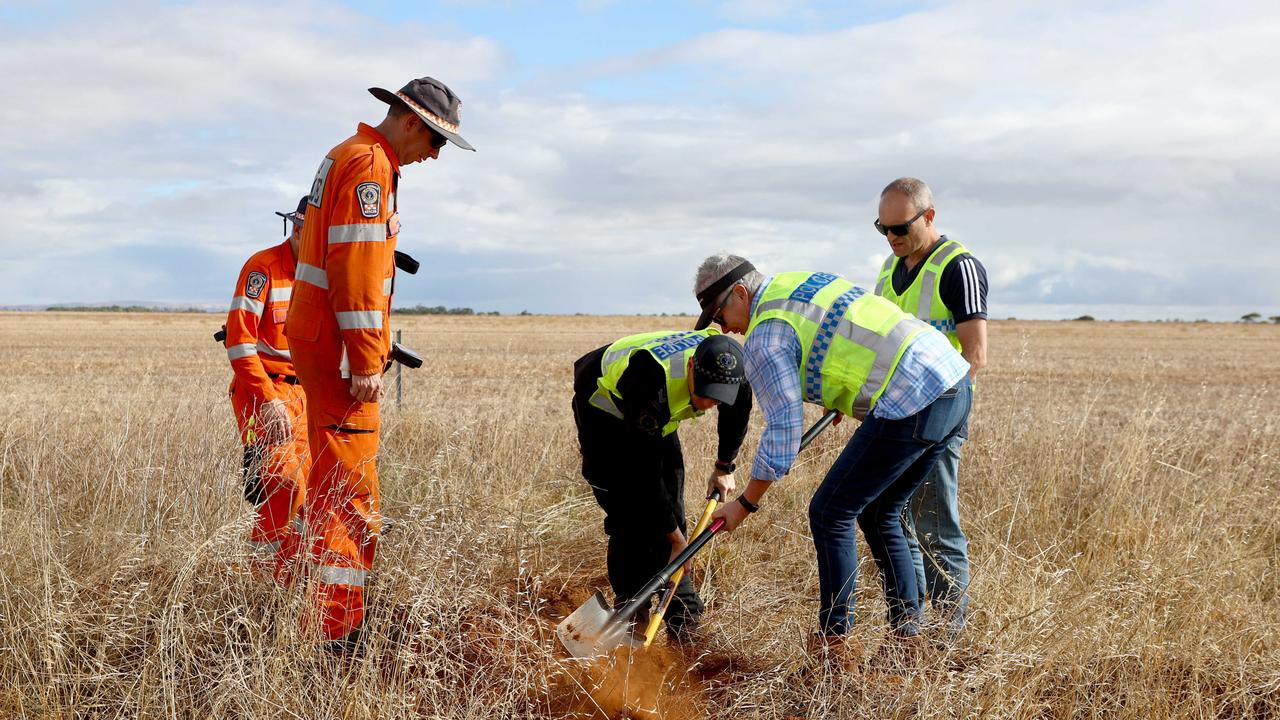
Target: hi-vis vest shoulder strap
923,297
672,350
851,342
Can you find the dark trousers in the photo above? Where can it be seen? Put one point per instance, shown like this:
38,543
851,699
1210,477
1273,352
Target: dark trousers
870,483
638,480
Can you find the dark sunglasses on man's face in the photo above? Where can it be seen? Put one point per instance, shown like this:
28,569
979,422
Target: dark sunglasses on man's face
900,229
718,318
437,140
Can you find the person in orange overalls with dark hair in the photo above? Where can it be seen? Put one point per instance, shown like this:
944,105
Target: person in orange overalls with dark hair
269,403
339,331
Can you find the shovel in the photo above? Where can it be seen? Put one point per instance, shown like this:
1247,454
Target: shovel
655,621
594,630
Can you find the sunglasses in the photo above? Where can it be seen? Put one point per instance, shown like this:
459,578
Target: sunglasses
900,229
437,140
718,318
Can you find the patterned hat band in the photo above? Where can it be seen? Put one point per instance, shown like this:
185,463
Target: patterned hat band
717,375
413,105
725,379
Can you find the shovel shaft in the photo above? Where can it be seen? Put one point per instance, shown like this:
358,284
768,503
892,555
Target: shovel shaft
626,612
640,598
656,620
817,428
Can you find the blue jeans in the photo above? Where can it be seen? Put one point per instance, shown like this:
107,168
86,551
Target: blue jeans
933,524
871,482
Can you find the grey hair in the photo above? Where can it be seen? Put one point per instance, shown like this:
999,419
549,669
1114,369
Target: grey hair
916,190
719,265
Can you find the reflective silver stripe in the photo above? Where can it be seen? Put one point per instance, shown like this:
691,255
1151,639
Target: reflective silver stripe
264,548
360,320
280,294
333,575
363,232
299,525
611,358
386,286
312,275
604,401
951,247
264,347
241,302
235,352
928,286
932,273
677,366
886,273
809,311
886,349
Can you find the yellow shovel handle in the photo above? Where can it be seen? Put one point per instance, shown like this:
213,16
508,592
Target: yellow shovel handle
656,620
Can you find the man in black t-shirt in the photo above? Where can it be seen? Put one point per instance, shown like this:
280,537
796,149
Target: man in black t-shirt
938,281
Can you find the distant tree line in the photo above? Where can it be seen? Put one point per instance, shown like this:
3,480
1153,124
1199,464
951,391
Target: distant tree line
127,309
440,310
415,310
1254,317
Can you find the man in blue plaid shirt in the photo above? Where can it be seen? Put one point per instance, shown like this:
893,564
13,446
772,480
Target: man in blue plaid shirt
910,410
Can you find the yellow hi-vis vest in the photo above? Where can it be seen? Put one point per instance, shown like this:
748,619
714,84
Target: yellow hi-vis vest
923,298
850,341
672,350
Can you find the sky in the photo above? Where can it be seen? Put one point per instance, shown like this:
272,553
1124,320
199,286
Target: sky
1122,156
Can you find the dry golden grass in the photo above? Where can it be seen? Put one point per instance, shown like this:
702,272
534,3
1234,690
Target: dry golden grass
1121,492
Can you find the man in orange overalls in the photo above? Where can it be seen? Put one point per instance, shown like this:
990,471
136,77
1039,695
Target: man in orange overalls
339,331
269,403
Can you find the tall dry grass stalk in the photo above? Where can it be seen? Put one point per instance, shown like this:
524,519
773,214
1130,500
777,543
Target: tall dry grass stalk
1121,492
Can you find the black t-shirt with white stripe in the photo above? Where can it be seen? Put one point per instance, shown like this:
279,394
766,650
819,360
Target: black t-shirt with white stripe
963,287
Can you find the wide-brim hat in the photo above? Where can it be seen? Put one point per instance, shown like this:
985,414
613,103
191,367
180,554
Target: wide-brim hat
296,217
432,101
718,372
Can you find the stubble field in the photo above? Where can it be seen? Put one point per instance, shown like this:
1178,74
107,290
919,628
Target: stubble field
1121,492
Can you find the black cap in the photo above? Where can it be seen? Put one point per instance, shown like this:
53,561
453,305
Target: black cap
717,369
709,298
432,101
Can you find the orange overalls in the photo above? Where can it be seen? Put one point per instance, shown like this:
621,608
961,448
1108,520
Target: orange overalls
339,326
275,473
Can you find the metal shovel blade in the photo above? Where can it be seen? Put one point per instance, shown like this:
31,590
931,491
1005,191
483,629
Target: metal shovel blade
590,632
594,629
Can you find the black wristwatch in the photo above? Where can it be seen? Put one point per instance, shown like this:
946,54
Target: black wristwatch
726,467
750,506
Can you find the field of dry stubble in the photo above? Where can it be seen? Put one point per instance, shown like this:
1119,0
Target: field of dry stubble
1121,490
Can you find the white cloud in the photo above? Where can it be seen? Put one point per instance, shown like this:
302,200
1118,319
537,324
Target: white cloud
750,10
181,126
1064,144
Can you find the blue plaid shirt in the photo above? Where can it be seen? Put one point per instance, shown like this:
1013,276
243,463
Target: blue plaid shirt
772,358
